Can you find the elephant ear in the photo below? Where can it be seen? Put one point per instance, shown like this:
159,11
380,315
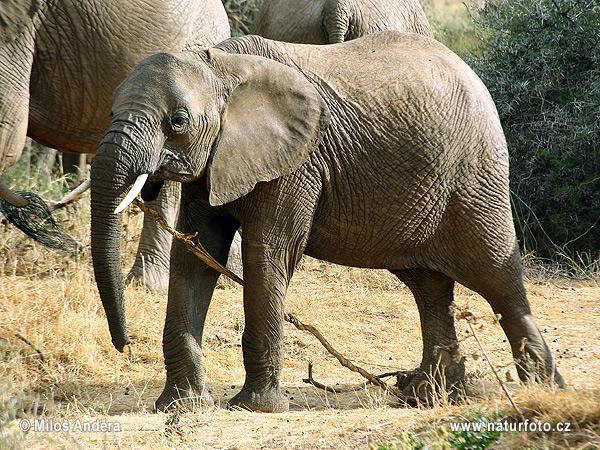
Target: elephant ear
272,120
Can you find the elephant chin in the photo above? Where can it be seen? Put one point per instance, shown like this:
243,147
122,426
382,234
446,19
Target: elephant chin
151,190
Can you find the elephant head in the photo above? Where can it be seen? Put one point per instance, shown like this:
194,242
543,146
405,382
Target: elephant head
230,121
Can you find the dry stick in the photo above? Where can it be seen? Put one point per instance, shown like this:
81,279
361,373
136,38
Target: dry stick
201,253
245,29
336,390
466,315
28,342
344,361
193,247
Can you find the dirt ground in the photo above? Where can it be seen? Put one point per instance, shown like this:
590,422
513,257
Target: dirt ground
367,315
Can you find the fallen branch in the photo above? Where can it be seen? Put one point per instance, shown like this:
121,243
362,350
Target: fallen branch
336,390
27,341
346,362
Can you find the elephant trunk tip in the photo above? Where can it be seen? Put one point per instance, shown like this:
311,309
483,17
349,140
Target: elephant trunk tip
120,342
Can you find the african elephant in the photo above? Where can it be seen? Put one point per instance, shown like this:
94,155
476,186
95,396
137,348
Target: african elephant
59,65
382,152
335,21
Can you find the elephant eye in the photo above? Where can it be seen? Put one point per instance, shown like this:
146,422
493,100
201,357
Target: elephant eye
179,120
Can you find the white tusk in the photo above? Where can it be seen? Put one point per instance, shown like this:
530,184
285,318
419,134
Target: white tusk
75,192
133,192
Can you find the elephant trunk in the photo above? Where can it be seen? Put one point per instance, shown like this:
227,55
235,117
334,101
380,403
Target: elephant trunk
110,177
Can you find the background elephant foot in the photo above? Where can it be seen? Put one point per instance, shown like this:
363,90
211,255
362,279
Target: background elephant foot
434,383
190,399
152,275
266,400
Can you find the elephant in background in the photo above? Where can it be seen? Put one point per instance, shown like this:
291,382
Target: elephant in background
334,21
382,152
60,62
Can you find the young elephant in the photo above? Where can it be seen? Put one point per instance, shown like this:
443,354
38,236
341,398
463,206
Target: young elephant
382,152
335,21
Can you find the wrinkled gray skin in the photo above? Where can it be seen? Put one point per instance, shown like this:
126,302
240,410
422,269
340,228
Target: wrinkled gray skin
382,152
60,62
335,21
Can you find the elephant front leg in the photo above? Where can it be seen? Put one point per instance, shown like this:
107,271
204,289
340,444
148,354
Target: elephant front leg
262,341
190,290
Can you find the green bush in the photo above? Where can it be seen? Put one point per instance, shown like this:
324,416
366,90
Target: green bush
241,14
540,60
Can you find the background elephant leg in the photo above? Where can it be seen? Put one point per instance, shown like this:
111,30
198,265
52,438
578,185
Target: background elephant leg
190,291
73,165
151,266
441,364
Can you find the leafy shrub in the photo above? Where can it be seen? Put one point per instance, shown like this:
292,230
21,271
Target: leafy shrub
541,62
241,14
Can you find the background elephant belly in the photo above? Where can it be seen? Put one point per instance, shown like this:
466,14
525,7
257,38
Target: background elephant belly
85,49
75,71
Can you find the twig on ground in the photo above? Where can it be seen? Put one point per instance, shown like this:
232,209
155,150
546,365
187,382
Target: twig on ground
467,316
336,390
27,341
345,361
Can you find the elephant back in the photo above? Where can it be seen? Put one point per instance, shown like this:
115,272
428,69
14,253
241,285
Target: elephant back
83,50
334,21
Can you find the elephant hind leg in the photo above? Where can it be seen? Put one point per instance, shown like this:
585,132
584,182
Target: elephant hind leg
502,287
442,369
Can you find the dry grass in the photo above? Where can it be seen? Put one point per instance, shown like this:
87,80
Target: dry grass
367,315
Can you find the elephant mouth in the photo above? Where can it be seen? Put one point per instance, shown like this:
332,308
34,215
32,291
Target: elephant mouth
173,165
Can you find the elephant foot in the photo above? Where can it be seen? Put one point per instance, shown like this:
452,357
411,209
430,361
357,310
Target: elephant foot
266,400
535,363
189,399
434,383
154,277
